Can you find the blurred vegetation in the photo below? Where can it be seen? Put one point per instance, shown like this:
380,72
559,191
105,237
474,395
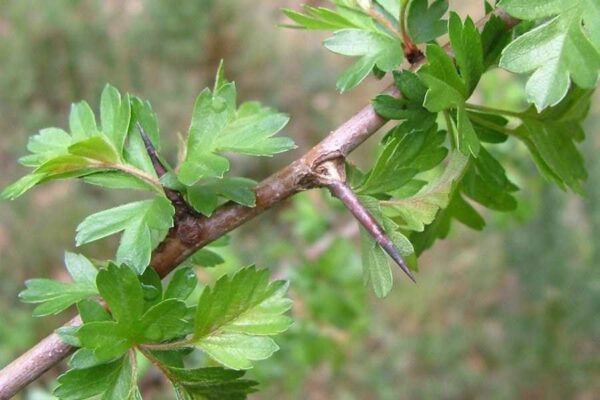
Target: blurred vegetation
510,313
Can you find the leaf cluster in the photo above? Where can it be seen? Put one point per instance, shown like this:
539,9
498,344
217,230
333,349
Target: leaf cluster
372,31
417,186
114,155
230,322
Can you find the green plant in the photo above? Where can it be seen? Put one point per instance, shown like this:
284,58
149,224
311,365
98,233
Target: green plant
436,160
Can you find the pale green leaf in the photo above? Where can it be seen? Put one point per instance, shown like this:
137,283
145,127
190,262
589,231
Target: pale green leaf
558,51
144,223
115,114
237,351
233,315
375,49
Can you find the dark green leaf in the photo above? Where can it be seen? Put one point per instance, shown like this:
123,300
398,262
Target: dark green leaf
468,50
78,384
182,284
212,383
204,196
425,22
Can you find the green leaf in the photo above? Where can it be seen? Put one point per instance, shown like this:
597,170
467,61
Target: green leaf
57,296
69,165
449,90
494,38
81,269
551,136
124,384
251,132
464,133
554,152
425,22
117,180
84,358
182,284
485,182
211,383
95,148
144,223
376,267
317,18
410,106
420,209
164,321
218,127
206,258
414,114
122,291
446,88
410,86
237,351
204,196
68,335
82,122
91,311
403,157
375,49
468,50
234,315
77,384
141,111
489,127
107,339
19,187
49,143
86,151
558,51
115,114
458,209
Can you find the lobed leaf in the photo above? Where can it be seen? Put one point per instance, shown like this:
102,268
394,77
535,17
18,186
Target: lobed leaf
57,296
425,21
565,48
232,316
144,224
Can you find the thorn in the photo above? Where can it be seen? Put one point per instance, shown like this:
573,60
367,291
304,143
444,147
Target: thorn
176,198
393,252
151,150
339,188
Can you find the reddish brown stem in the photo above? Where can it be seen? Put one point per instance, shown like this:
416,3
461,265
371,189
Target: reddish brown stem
192,233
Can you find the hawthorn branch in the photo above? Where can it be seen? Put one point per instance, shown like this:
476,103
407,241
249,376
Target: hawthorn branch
192,232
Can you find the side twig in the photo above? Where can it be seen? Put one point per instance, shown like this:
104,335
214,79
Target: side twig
191,232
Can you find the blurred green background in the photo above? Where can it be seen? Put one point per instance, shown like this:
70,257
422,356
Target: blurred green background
510,313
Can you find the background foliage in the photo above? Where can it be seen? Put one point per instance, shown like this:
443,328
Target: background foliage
504,314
